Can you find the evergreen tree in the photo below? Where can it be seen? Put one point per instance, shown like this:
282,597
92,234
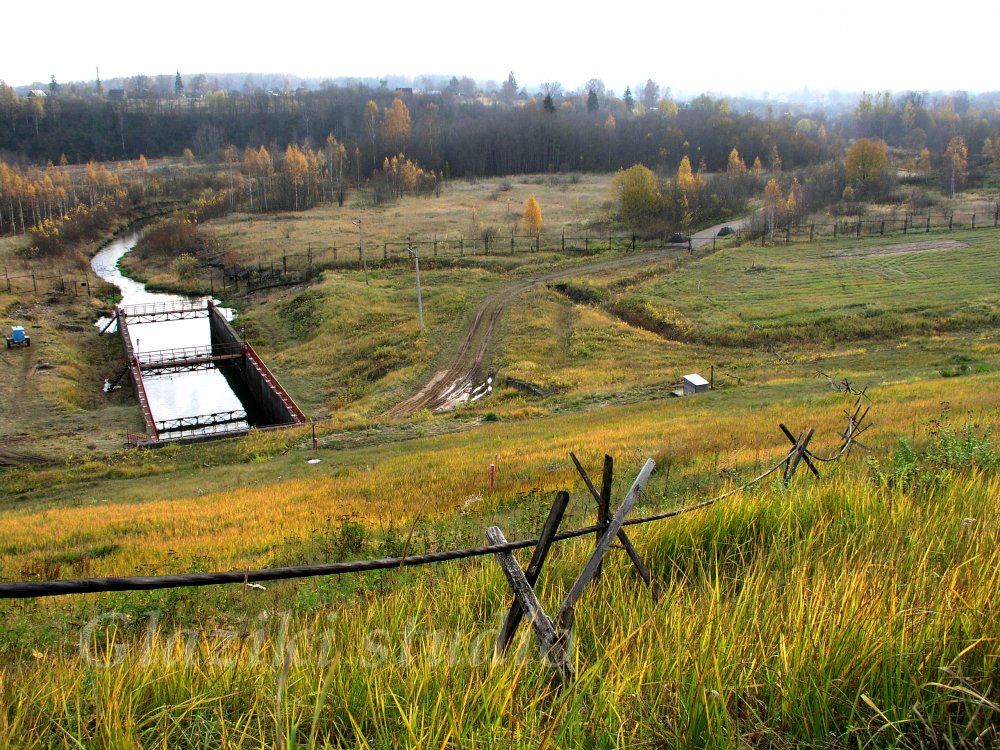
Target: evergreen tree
547,104
178,85
592,103
629,100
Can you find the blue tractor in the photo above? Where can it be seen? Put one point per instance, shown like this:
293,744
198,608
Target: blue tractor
18,337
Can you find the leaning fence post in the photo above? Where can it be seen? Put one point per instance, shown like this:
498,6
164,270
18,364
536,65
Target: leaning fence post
565,616
516,612
604,503
623,538
525,595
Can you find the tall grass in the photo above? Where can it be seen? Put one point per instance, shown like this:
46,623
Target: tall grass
857,611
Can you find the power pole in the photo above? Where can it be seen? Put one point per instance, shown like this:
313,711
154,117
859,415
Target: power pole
420,301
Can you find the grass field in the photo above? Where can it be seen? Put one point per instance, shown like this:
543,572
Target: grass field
861,608
858,610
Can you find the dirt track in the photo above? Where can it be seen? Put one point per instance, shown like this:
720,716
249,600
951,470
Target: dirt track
466,366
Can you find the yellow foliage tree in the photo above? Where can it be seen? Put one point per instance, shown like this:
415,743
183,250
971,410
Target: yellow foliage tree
735,165
638,194
396,125
865,160
956,158
774,204
294,170
687,181
532,218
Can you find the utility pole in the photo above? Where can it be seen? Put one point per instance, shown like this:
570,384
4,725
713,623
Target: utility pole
361,247
420,301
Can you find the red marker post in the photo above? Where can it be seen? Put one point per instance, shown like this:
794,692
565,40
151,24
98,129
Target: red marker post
493,475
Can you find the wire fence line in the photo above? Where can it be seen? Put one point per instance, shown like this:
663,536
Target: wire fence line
799,452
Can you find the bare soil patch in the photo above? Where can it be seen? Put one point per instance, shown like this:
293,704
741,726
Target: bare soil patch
902,249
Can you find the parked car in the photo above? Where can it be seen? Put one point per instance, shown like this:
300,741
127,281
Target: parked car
725,232
678,237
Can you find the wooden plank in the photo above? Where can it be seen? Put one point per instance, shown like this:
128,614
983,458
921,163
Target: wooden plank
523,592
623,537
544,629
800,453
586,478
795,441
576,591
604,503
516,612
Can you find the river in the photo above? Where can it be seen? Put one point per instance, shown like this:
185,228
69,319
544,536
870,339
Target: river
176,395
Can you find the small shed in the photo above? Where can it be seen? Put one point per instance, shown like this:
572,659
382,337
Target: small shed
695,383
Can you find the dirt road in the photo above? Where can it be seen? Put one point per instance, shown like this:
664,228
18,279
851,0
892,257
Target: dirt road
446,388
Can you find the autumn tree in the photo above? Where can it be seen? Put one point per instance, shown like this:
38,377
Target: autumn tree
396,125
531,220
774,204
370,120
955,168
775,159
294,169
686,180
735,165
865,166
638,193
336,158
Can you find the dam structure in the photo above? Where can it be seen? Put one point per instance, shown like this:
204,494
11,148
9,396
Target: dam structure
264,400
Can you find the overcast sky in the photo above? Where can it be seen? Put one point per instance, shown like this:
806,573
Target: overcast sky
723,47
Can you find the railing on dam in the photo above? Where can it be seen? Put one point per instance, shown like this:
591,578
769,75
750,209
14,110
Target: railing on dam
272,382
155,312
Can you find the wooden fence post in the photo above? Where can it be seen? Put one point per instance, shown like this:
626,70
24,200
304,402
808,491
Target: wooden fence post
516,612
564,240
812,231
951,220
565,616
928,224
530,606
602,509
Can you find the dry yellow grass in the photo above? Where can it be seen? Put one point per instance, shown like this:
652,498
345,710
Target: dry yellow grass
284,499
566,203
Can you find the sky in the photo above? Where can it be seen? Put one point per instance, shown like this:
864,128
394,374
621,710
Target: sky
722,47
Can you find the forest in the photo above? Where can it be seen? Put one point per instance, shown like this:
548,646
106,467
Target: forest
292,150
